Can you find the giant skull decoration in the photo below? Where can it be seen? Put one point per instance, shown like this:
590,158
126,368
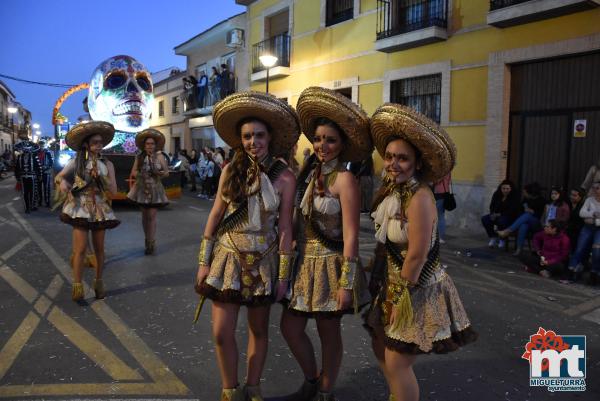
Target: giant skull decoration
121,93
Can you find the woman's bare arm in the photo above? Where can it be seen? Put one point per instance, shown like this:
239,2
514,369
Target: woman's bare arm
421,217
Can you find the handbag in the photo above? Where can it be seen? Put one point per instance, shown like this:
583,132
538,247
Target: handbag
449,200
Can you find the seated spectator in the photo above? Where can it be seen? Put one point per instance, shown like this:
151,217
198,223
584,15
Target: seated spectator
558,208
528,222
550,251
504,209
591,177
589,235
575,223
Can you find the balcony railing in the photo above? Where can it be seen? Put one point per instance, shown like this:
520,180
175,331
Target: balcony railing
338,11
278,46
395,17
498,4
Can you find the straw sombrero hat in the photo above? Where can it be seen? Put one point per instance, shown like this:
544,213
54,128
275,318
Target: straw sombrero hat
438,152
316,102
281,117
159,138
78,134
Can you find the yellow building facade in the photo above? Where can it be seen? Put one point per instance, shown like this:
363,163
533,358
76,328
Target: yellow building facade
377,51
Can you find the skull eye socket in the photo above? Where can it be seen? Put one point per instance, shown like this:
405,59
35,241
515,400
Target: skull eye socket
115,80
144,83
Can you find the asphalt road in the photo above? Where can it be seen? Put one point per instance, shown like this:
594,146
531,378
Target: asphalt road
140,343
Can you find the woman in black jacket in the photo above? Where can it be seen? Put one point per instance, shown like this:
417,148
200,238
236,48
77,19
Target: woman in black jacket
529,222
504,210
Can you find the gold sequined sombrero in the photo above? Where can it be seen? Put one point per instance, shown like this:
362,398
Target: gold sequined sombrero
316,102
438,152
159,138
79,133
280,116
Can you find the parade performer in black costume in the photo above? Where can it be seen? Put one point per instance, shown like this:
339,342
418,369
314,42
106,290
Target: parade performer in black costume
27,171
44,180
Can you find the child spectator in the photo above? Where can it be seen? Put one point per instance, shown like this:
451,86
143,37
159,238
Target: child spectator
504,209
550,251
558,209
528,222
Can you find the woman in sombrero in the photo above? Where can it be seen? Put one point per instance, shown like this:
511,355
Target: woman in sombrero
246,254
87,205
328,281
417,309
149,168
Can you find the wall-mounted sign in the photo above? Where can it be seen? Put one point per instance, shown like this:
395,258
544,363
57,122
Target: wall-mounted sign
579,128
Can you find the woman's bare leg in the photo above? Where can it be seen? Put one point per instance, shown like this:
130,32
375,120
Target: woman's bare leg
224,317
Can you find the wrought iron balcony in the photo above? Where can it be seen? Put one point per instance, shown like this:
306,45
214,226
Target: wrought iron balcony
505,13
402,24
395,17
278,46
498,4
338,11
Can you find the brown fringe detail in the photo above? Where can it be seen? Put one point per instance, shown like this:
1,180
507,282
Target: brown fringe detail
458,339
232,296
89,225
321,314
151,205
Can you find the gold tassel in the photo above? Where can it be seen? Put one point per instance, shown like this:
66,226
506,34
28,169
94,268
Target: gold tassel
404,315
199,308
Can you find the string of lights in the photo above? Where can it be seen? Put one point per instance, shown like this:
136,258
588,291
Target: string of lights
26,81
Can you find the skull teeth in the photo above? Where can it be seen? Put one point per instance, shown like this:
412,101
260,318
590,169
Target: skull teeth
128,108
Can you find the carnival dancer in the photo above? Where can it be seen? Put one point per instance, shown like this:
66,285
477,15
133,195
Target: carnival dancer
328,281
149,168
246,254
417,308
44,185
87,205
27,171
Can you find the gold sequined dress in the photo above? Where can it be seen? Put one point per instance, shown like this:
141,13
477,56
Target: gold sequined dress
148,191
245,260
318,273
87,204
440,322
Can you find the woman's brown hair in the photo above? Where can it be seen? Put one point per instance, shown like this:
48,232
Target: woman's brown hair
237,170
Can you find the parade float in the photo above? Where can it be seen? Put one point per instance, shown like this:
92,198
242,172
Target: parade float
119,92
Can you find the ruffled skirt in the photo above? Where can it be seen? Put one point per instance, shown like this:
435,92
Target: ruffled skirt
88,211
314,285
148,193
440,324
228,282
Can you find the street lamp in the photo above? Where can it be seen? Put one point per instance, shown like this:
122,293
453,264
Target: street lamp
268,60
36,126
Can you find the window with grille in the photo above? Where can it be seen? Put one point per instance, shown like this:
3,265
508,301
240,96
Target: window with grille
338,11
424,94
175,105
161,108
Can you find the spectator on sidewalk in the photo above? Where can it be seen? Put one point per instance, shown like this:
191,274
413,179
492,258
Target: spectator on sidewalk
440,191
528,222
550,251
592,176
193,169
589,235
558,208
504,210
184,167
576,198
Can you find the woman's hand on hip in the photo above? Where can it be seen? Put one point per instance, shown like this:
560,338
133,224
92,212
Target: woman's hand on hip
344,298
